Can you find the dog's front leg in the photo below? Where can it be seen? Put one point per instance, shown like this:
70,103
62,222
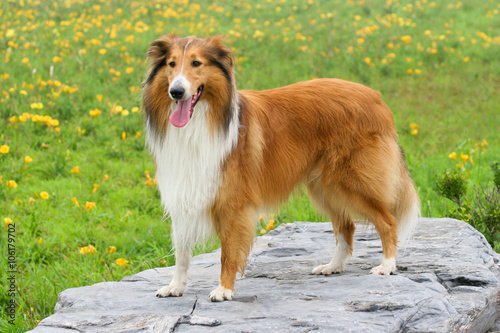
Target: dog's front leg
236,231
179,281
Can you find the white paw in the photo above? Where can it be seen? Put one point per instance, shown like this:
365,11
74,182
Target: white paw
328,269
221,294
387,267
170,290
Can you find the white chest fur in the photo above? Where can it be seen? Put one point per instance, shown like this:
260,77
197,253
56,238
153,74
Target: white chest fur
189,161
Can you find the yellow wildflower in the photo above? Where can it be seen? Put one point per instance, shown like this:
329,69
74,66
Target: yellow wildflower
95,113
112,249
7,221
99,97
95,188
44,195
27,159
464,157
90,205
77,204
11,184
270,225
129,70
406,39
124,136
4,149
453,156
75,169
90,249
121,262
135,109
40,240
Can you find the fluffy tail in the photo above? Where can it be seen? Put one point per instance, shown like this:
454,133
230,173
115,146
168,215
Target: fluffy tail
407,208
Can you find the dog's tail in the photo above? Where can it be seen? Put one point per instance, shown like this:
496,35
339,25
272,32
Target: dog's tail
407,207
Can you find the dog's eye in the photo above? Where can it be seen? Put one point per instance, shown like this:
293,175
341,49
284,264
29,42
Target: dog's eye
196,63
172,64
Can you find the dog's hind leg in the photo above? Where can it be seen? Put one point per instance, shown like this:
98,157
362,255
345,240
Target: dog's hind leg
343,227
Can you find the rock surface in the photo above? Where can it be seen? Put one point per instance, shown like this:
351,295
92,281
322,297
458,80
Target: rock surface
447,280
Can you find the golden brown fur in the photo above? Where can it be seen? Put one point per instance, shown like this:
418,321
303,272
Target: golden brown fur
334,136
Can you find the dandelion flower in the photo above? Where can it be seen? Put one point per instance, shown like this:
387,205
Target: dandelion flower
453,156
27,159
121,262
44,195
129,70
4,149
135,109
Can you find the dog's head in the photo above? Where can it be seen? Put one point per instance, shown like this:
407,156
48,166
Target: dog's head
188,70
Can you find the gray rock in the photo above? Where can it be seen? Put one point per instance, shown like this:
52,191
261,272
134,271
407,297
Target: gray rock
447,280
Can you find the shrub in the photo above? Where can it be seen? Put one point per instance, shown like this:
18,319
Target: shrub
483,211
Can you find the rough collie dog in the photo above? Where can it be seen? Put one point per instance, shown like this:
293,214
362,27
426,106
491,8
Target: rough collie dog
221,154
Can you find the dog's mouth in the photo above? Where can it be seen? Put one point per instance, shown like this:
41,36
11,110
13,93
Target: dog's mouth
184,109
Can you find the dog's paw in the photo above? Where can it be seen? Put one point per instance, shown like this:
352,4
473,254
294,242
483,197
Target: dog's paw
387,267
328,269
170,290
221,294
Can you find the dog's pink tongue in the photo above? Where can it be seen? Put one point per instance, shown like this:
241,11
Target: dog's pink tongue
181,115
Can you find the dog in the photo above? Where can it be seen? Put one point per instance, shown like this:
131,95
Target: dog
223,154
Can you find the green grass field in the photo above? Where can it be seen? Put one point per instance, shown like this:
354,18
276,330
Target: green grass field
76,182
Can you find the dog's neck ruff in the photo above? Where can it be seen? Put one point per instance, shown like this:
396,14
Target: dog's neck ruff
189,160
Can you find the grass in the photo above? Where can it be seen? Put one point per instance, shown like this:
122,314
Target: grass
435,63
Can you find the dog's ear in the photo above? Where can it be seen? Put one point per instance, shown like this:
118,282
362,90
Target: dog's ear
158,53
161,47
220,50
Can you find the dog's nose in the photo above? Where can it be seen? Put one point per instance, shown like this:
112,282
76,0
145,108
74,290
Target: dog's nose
177,92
